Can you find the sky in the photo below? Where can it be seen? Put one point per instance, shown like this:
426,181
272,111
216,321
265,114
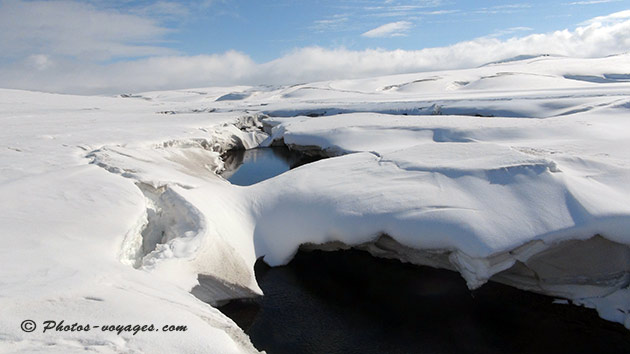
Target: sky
115,46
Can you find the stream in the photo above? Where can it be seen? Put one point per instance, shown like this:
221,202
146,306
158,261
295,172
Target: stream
351,302
247,167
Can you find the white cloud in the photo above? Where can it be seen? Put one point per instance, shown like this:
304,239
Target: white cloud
510,31
592,2
598,37
40,61
439,12
613,18
163,9
68,28
393,29
504,9
333,23
404,8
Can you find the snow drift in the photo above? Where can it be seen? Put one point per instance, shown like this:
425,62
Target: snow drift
516,172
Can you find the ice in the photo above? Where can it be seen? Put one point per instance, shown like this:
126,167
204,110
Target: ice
113,212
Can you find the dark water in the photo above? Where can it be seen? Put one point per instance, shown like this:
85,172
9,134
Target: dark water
247,167
351,302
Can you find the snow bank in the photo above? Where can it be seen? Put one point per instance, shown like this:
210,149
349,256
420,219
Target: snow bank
67,223
114,213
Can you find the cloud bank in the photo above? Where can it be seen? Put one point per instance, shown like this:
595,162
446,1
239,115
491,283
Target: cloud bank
78,30
393,29
71,54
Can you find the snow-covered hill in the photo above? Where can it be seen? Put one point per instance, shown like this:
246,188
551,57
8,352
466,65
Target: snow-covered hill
516,172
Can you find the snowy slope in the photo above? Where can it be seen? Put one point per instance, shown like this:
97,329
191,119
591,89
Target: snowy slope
113,213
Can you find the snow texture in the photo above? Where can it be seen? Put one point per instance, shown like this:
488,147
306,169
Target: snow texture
113,212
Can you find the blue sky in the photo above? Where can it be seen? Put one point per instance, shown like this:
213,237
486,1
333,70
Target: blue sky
98,46
267,29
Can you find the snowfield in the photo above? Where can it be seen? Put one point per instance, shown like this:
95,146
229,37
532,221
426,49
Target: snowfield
113,212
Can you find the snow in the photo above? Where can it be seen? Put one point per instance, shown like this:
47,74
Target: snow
113,211
64,221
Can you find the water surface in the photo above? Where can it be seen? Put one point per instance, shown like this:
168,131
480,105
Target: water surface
351,302
247,167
